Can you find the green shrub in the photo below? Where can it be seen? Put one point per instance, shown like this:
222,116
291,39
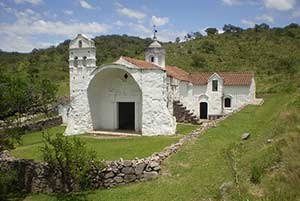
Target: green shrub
256,174
7,183
71,160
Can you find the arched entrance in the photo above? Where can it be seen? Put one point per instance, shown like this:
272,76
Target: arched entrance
115,100
203,110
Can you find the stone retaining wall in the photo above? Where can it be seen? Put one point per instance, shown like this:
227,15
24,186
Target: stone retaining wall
35,177
43,124
40,124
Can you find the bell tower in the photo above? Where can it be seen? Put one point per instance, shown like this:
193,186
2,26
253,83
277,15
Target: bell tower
82,52
155,53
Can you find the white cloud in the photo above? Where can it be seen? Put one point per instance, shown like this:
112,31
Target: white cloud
282,5
231,2
164,35
159,21
139,28
266,18
248,23
167,35
34,2
85,4
129,12
68,12
52,28
21,34
17,43
296,14
119,23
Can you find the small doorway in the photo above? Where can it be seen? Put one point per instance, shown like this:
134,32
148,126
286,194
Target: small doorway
203,110
126,115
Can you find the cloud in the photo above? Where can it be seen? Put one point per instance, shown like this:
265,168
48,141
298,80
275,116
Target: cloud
18,43
68,12
52,28
282,5
119,23
159,21
167,35
22,34
265,17
34,2
248,23
139,28
296,14
129,12
231,2
85,4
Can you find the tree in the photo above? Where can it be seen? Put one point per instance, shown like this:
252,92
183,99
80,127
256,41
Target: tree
70,159
188,37
211,31
197,35
198,61
177,40
46,94
228,28
262,26
292,25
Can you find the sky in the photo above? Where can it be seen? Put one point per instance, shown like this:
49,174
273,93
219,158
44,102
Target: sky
28,24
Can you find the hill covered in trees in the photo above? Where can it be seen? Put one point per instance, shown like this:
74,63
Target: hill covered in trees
272,53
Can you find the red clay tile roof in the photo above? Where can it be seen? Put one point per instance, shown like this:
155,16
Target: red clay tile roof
199,78
230,78
141,63
177,73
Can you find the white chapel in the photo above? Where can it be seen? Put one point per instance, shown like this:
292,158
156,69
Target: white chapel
147,96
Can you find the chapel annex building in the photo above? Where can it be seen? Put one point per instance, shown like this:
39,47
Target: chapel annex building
147,96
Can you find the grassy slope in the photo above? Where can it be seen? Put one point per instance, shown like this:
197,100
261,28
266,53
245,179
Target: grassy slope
198,170
108,149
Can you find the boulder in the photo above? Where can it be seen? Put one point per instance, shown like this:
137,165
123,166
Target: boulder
150,175
140,168
129,178
109,175
127,170
245,136
118,179
127,163
154,164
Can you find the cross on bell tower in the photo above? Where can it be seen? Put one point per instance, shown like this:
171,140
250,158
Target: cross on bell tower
154,32
155,53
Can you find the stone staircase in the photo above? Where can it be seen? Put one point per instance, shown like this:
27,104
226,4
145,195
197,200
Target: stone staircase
183,115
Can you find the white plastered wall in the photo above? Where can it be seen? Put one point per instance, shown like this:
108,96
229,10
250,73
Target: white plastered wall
240,96
105,91
155,117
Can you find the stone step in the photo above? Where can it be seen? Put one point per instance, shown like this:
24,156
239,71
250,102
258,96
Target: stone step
183,115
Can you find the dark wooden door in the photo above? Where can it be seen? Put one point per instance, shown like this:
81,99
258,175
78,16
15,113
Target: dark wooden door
126,115
203,110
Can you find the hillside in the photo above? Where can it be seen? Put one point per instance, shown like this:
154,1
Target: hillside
273,54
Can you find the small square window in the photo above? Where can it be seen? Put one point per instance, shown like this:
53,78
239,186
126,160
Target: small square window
215,85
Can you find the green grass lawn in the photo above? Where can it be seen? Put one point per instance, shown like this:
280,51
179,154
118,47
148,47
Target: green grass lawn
108,149
197,171
186,128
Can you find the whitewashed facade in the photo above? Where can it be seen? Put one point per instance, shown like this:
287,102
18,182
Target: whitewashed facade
137,95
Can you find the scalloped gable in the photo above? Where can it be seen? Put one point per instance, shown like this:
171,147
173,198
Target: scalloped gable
86,41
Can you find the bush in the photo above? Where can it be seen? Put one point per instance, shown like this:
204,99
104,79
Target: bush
256,174
7,183
70,159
